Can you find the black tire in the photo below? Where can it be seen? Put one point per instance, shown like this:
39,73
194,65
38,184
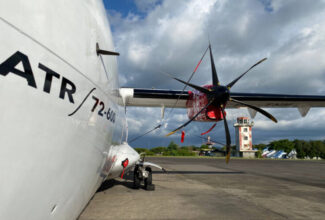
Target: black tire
148,181
150,187
136,180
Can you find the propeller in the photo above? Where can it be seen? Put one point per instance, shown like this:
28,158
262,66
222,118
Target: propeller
215,80
218,95
239,77
189,121
228,138
265,113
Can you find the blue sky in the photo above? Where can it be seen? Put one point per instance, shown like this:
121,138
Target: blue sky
125,7
122,6
170,36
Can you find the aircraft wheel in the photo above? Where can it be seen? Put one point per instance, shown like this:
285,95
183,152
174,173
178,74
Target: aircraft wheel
136,179
148,181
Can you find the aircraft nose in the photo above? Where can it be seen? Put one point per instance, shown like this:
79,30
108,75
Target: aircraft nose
126,156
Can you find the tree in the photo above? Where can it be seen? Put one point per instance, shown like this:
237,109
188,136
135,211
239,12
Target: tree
298,145
260,147
284,145
172,146
203,146
316,147
141,150
158,150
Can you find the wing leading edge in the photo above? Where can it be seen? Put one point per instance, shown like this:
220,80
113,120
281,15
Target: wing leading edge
153,97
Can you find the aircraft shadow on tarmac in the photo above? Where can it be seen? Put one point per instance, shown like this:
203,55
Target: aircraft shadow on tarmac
127,181
128,177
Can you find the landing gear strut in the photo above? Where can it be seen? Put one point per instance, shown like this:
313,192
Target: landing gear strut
144,174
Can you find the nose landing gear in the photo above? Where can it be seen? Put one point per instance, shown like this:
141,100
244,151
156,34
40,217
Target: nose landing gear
143,174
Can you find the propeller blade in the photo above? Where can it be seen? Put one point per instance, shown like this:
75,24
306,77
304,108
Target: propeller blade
215,80
189,121
228,138
238,78
199,88
158,126
263,112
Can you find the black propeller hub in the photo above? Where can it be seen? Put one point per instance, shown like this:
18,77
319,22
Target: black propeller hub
221,94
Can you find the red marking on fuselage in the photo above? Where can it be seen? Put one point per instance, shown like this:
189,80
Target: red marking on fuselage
125,163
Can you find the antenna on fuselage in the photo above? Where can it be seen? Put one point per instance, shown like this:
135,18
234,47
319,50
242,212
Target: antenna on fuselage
105,52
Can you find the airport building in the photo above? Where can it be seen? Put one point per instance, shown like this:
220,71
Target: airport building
244,141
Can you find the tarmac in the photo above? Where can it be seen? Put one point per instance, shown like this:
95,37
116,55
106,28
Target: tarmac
207,188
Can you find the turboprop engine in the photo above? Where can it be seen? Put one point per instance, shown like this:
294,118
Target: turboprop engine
197,100
208,103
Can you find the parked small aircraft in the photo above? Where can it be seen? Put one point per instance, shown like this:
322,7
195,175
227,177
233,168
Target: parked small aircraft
63,125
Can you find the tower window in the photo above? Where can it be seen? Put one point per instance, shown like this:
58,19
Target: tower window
245,129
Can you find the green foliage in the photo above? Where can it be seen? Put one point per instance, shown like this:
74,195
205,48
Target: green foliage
141,150
144,150
185,152
304,148
233,148
258,154
309,148
284,145
260,147
172,146
158,150
203,146
195,148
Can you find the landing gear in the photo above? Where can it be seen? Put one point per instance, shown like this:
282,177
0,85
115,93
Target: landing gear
143,174
136,178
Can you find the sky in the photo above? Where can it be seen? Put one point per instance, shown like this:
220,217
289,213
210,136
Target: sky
157,36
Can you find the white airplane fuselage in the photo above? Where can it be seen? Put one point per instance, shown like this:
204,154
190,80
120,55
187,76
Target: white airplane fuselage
62,131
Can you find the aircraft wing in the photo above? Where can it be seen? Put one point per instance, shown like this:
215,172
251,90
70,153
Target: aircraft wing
167,98
302,102
154,97
277,100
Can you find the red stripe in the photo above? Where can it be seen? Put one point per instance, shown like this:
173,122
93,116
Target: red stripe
197,66
209,129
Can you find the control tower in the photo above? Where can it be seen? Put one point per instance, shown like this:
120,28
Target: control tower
244,146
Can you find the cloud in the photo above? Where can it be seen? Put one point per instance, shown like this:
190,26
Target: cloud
172,36
146,5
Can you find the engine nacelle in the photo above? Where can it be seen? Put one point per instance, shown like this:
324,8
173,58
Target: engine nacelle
197,100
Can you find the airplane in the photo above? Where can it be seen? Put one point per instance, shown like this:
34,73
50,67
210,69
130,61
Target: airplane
63,123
